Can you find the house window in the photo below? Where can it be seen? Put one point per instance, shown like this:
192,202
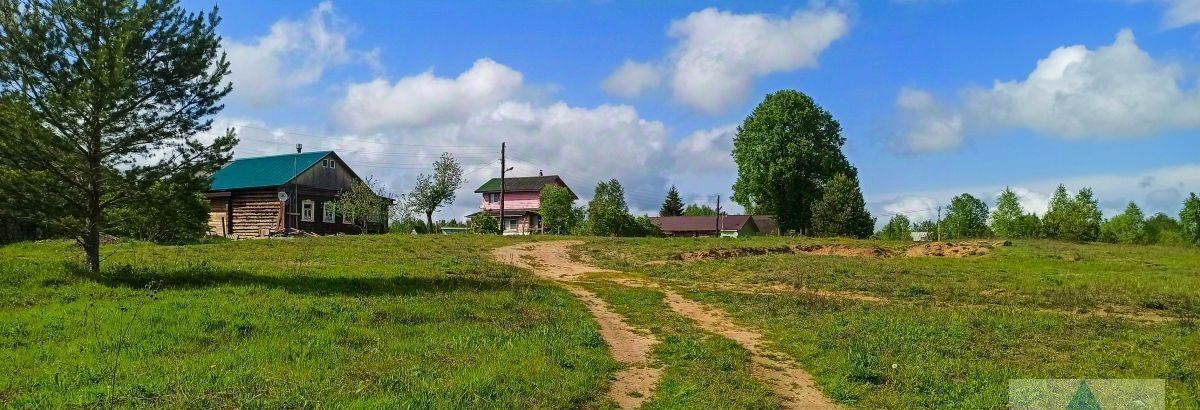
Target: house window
537,223
328,214
328,163
347,219
307,210
510,224
493,197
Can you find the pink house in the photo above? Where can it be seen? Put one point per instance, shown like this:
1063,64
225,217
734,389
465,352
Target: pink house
522,202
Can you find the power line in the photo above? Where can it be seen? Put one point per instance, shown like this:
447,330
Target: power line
327,137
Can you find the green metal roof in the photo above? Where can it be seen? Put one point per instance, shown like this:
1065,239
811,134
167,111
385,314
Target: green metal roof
259,172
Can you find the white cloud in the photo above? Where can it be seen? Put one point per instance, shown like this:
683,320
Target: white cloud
426,98
719,53
472,113
930,127
1179,13
294,54
631,78
1115,91
706,150
915,208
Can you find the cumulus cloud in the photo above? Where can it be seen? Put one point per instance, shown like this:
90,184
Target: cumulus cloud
1115,91
1179,13
631,78
470,114
294,54
426,98
930,127
718,54
706,150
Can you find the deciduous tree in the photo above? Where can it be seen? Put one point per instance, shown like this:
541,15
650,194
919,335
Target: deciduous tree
1189,219
107,98
785,151
965,218
699,210
1127,228
897,229
437,190
363,203
556,209
841,211
607,212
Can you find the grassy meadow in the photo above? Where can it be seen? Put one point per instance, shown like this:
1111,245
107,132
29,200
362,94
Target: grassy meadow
432,322
954,330
375,321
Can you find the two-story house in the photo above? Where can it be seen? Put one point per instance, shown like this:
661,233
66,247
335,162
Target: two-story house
522,202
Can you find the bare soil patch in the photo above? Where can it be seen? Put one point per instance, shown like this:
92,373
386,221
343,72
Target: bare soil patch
932,249
634,384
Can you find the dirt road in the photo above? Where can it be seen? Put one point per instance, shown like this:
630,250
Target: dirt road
795,387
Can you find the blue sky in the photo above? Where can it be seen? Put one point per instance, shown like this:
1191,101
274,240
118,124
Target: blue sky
935,97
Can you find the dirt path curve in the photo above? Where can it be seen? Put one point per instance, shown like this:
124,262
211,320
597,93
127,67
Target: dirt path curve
637,381
551,260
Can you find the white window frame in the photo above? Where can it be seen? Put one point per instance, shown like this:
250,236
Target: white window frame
347,219
328,212
493,197
308,210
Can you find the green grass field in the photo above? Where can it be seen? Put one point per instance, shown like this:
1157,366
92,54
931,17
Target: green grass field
432,321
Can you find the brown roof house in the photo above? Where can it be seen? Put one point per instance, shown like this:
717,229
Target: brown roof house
726,226
263,196
522,202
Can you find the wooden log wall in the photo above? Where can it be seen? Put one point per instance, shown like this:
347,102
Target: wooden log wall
255,212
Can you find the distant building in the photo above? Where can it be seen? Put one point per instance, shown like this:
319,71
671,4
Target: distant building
730,226
919,236
522,202
261,196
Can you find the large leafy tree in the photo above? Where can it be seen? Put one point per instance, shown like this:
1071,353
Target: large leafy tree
841,211
106,97
607,213
1058,213
557,204
1127,228
1189,219
966,218
786,150
897,229
1072,219
699,210
437,190
1163,229
672,205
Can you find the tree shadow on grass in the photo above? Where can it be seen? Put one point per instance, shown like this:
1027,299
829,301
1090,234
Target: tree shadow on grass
204,276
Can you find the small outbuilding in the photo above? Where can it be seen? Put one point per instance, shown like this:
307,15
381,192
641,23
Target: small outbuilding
725,226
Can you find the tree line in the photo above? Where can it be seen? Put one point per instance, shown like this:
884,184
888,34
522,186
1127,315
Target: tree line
1069,217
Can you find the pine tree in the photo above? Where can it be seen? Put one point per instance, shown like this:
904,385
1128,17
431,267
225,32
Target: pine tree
841,211
673,205
107,97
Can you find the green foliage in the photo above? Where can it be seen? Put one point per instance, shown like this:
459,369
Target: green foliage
926,226
607,212
437,190
897,229
407,226
699,210
1127,228
1162,229
107,97
785,151
841,211
966,217
672,205
1072,219
166,213
1189,219
1009,220
364,203
642,226
556,210
484,223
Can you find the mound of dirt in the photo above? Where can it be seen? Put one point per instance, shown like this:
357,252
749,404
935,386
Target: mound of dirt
950,249
722,253
834,250
843,250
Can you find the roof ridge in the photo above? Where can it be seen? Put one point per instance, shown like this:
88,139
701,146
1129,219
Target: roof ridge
284,155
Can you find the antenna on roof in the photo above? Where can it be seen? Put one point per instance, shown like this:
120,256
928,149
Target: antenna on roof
299,147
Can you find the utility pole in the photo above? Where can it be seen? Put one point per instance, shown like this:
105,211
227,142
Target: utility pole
939,223
718,216
503,169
